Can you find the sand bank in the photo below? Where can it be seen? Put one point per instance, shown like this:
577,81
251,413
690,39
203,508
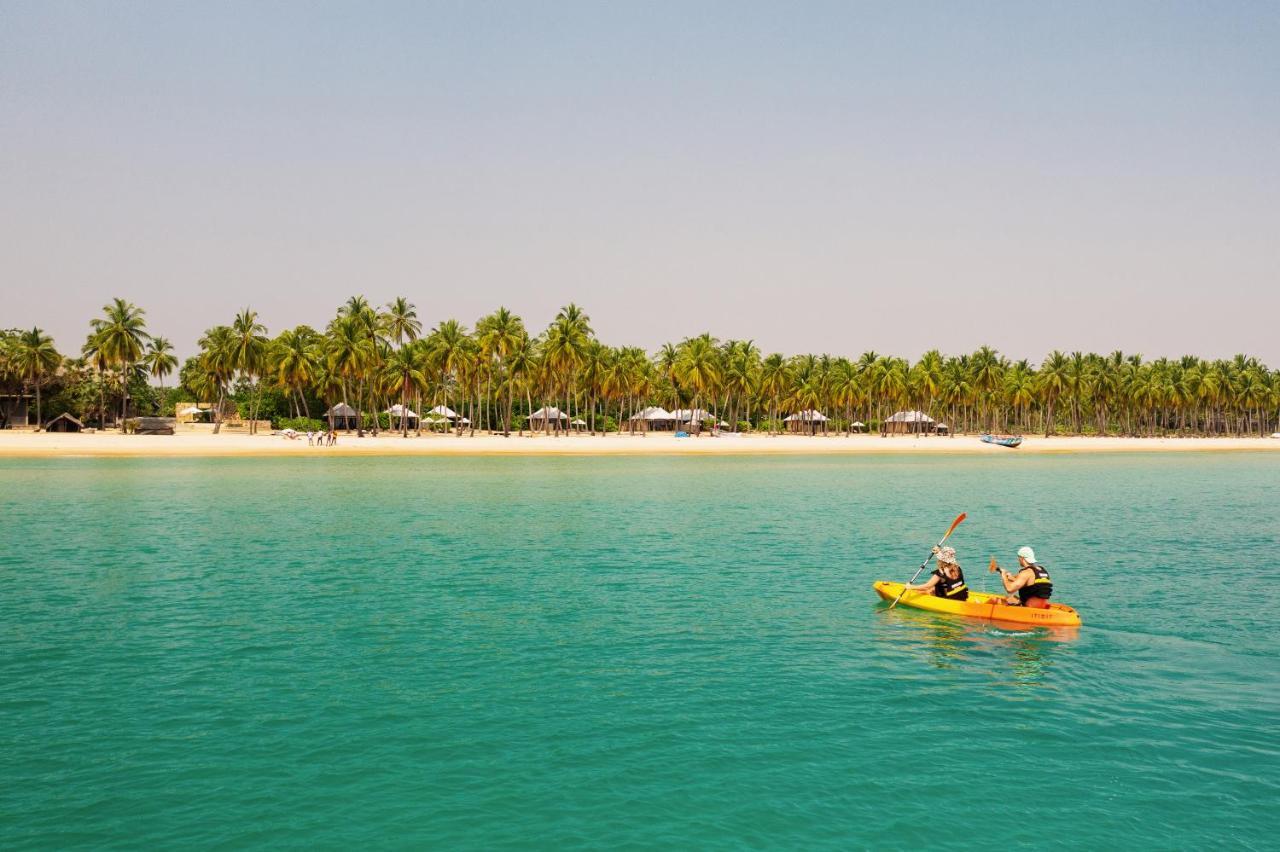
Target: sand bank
16,444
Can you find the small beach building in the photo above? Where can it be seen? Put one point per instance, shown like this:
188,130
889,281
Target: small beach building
548,417
394,414
807,421
64,422
447,413
908,423
655,418
342,416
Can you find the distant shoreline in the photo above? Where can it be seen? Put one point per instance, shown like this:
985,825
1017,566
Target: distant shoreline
15,444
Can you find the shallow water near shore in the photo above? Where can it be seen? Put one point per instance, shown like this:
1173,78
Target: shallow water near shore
561,652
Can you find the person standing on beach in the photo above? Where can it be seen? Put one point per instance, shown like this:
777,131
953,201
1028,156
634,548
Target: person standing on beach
947,581
1030,586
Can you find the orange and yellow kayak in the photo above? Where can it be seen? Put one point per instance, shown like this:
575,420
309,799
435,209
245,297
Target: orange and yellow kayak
979,605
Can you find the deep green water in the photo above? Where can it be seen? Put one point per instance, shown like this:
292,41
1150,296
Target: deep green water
552,653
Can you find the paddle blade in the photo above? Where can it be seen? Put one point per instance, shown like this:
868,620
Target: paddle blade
993,567
959,520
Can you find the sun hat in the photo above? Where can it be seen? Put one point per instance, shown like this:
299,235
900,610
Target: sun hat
1027,553
947,555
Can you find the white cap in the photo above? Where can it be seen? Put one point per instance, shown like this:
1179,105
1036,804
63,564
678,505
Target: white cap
1027,553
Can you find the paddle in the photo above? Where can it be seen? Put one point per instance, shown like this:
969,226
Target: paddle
960,517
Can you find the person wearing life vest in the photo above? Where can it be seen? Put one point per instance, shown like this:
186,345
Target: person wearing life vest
1030,586
947,581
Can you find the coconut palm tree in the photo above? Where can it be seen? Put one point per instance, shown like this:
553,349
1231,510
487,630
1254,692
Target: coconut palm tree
121,335
446,353
33,356
217,362
400,321
498,336
698,369
248,355
294,360
96,357
160,359
348,352
524,363
775,382
405,371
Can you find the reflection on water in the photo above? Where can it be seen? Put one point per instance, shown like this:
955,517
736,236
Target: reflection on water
1025,655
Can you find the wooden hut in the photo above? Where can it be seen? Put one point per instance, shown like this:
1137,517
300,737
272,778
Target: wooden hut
64,422
908,423
807,421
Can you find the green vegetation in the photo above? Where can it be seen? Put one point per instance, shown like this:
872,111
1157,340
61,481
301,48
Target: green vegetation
496,375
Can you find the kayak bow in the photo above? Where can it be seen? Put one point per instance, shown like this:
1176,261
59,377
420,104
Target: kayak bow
979,605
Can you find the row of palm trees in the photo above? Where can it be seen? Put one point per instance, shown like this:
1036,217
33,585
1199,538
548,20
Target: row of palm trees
371,357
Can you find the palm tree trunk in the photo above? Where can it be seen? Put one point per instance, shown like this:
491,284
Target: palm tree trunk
124,395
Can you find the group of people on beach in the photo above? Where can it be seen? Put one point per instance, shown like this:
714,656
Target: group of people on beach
1029,586
322,439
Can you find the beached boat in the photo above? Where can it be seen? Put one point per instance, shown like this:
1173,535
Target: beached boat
979,605
1011,441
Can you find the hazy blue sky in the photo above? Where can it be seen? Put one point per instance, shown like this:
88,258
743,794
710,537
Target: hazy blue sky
827,177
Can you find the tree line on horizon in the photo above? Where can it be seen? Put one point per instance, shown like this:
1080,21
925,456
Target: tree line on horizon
497,373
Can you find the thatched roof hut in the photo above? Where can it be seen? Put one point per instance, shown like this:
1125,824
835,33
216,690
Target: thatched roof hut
908,422
548,417
447,413
655,417
396,411
342,416
806,421
64,422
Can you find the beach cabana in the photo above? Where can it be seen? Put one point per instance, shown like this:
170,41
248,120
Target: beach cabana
942,429
447,413
394,414
546,417
806,421
64,423
578,425
691,416
651,419
699,417
342,416
908,423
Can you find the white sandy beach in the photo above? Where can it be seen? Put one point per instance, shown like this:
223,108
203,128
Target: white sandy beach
19,444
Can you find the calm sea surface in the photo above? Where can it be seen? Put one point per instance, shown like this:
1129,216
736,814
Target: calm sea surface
552,653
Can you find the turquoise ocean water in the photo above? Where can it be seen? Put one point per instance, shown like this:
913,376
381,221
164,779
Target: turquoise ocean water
652,652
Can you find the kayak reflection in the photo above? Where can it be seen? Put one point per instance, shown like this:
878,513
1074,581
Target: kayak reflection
1024,655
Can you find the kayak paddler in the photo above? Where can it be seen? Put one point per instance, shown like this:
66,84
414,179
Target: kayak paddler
947,580
1029,587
